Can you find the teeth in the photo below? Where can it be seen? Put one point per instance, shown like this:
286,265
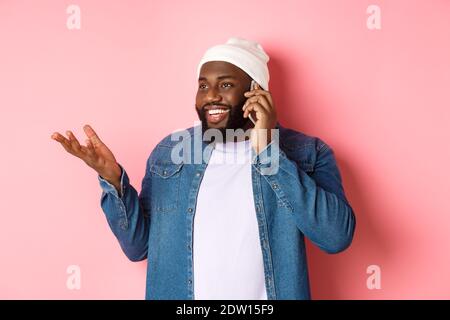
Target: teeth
217,111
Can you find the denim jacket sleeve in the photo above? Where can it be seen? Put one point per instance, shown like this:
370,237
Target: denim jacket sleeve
128,216
317,202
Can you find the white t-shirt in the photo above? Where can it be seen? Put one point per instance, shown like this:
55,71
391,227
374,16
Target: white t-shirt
228,262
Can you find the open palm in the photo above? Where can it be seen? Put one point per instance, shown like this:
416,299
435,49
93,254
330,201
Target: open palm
95,153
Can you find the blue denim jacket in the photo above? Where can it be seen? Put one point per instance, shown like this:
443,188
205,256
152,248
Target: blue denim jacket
304,197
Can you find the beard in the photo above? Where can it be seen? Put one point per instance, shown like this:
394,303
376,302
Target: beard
235,119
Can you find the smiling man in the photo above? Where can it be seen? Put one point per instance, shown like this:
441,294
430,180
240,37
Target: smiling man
226,228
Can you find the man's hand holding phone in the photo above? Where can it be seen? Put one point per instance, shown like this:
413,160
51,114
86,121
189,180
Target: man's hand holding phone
261,110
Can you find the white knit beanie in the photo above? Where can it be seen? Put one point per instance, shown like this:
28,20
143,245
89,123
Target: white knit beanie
245,54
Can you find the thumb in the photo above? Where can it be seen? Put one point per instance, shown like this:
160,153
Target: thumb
93,137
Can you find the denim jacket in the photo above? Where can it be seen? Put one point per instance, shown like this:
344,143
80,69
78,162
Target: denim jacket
304,197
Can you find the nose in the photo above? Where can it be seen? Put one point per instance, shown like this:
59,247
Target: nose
213,96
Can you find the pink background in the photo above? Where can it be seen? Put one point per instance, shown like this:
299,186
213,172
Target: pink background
380,98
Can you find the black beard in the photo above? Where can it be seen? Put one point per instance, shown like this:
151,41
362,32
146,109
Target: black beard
235,120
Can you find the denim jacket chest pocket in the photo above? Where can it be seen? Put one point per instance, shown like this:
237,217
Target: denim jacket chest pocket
165,186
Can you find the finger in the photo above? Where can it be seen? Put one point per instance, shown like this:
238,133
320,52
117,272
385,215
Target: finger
255,87
255,109
259,92
90,151
96,142
258,99
63,141
259,109
58,137
73,141
90,156
265,93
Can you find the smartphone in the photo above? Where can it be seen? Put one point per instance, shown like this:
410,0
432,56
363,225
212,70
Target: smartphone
252,87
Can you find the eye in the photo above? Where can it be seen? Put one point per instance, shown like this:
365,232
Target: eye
227,85
202,86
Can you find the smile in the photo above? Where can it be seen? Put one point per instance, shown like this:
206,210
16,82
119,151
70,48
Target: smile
216,115
218,111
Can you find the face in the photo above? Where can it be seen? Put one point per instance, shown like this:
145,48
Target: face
220,96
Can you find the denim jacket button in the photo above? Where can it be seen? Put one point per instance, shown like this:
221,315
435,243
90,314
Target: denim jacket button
190,210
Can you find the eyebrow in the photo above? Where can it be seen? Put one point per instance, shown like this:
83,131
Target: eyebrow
219,78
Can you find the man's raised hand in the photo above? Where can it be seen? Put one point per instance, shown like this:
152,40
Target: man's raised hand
95,153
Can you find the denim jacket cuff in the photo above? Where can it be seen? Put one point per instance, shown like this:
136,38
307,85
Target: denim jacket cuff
109,188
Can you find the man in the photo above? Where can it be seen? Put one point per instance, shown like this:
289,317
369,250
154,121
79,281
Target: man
221,229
